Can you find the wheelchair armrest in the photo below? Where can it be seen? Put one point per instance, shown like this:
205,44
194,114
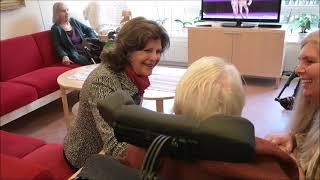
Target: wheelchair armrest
220,137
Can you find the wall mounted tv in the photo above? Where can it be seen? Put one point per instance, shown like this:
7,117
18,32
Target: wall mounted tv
241,10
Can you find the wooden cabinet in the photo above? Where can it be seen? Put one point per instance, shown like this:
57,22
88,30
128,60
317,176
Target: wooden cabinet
254,51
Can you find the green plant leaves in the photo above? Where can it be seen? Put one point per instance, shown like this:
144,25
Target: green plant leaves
183,22
188,22
303,21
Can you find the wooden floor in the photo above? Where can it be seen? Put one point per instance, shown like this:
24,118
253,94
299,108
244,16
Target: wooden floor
266,114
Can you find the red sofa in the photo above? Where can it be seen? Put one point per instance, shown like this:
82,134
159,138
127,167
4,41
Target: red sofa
29,69
26,158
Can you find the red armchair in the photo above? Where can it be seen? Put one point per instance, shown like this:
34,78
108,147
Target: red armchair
24,157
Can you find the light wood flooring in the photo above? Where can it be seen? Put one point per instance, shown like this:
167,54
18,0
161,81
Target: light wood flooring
266,114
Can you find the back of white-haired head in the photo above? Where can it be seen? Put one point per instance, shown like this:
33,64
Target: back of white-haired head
210,86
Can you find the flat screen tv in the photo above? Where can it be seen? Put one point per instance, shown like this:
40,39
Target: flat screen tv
241,10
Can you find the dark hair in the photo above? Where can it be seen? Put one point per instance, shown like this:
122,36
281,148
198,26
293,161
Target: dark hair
134,36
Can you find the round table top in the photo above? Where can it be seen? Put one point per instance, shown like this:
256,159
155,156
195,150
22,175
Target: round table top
74,79
151,94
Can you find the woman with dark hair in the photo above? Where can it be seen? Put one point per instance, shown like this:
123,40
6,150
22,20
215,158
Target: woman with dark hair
67,36
136,51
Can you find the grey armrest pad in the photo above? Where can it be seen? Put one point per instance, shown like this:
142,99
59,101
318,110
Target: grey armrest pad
219,137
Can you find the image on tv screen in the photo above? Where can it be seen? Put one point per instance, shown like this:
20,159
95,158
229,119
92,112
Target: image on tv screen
241,9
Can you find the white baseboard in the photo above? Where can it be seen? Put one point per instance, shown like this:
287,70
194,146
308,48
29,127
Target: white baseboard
29,107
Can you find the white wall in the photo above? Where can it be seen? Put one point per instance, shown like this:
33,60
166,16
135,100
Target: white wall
37,16
21,21
34,17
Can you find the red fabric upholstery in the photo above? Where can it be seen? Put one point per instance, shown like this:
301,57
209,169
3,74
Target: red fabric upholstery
270,163
25,154
14,96
44,79
47,52
14,168
51,156
19,55
18,145
31,66
73,65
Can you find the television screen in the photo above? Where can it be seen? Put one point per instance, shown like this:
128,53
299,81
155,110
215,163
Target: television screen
241,10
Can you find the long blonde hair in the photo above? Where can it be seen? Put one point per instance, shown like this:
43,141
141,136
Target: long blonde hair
305,112
210,86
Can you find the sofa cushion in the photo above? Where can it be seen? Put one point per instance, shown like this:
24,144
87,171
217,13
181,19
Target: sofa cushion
19,55
44,79
18,145
15,95
45,45
14,168
51,156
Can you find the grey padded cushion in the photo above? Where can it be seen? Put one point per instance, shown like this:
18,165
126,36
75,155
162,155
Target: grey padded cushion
220,137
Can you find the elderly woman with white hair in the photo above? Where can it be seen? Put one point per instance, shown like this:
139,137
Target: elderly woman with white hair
302,140
210,87
67,36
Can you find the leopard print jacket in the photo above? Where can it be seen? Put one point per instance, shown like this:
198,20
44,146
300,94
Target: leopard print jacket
89,133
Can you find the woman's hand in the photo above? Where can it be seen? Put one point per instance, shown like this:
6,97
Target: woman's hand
66,60
284,141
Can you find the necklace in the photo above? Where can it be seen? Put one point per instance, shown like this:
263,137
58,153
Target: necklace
66,26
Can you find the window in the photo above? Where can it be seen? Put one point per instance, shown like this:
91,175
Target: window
291,8
165,12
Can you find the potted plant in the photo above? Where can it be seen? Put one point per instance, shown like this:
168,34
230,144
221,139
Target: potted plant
184,23
303,21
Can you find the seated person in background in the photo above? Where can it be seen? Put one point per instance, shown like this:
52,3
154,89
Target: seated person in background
302,140
137,50
211,86
67,36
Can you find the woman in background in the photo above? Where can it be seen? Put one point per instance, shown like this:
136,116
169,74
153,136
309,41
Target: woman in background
210,87
137,50
67,36
302,140
244,4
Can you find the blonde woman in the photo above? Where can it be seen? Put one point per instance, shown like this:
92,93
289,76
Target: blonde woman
303,139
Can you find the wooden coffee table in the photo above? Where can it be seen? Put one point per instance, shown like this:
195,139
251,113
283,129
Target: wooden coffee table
73,80
158,96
